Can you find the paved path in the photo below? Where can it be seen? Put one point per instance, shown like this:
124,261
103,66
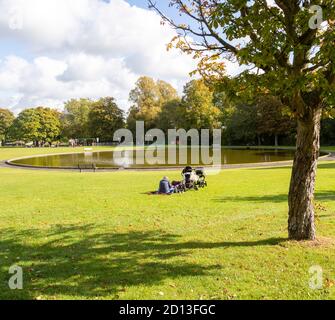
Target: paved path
331,157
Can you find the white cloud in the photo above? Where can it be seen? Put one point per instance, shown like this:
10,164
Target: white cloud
50,82
83,48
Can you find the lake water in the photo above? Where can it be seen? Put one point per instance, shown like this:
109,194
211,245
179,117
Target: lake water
107,159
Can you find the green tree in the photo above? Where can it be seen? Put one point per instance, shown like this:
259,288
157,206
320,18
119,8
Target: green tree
148,98
171,115
166,92
273,118
241,125
294,60
75,120
132,117
199,109
6,120
105,118
39,125
328,132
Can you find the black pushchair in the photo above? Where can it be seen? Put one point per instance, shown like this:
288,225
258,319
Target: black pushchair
189,179
193,179
201,183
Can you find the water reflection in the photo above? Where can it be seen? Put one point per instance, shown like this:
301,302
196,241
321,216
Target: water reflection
164,157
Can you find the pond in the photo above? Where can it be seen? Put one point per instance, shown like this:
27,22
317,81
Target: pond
129,159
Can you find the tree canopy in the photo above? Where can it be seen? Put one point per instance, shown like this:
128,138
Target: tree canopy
75,118
148,97
105,118
39,125
6,120
280,50
199,109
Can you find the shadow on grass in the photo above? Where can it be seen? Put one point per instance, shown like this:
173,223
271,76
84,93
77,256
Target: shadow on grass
76,262
266,199
321,166
277,198
327,166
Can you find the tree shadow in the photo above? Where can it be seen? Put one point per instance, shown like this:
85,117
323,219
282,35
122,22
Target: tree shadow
321,166
276,198
264,199
284,167
74,261
326,166
325,195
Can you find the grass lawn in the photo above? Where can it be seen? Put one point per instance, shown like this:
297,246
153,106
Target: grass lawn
97,236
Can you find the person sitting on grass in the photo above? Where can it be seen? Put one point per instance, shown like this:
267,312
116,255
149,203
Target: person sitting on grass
165,186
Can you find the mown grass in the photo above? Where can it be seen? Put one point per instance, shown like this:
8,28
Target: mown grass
98,236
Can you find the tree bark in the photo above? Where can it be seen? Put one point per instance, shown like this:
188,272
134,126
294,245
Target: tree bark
301,196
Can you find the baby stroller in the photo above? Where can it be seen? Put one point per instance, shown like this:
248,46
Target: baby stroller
201,183
179,187
190,179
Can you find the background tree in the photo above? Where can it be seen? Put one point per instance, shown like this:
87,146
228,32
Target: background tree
132,117
171,115
166,92
39,125
105,118
148,98
6,120
293,59
273,118
74,119
199,109
241,126
328,132
226,105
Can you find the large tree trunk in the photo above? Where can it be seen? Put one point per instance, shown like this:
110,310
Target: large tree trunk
301,196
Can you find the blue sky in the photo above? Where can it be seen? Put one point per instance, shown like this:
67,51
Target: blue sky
55,50
162,4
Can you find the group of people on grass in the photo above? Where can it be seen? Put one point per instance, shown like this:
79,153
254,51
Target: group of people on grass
192,180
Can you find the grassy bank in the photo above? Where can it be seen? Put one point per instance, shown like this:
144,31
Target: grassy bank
87,236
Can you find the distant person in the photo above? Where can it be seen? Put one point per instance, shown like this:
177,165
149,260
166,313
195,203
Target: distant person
165,186
72,143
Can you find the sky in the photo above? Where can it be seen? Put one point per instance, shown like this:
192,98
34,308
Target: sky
55,50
